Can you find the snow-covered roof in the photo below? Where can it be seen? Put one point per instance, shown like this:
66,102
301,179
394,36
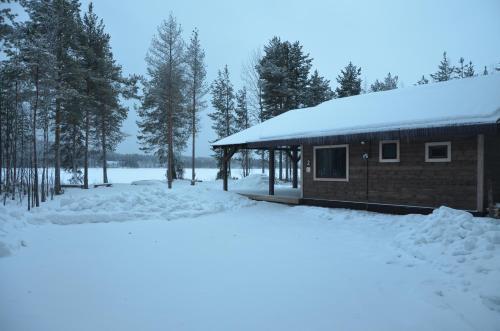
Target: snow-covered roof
457,102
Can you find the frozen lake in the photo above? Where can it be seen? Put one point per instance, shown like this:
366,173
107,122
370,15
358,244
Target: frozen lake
128,175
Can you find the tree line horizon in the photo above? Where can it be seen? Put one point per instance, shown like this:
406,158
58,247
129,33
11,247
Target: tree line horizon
62,96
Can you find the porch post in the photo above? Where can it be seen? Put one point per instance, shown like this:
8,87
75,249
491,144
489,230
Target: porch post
224,168
271,171
295,161
480,173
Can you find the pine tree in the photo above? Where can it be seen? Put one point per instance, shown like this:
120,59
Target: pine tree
469,70
242,122
349,80
377,86
485,71
445,70
298,65
318,90
460,70
273,73
423,81
94,42
390,83
223,118
284,71
196,74
464,70
64,17
110,112
34,36
164,124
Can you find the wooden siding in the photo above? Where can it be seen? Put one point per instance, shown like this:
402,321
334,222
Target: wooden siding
492,167
411,182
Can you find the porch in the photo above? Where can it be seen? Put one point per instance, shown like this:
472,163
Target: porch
289,193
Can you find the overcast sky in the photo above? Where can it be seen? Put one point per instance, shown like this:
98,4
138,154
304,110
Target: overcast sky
406,38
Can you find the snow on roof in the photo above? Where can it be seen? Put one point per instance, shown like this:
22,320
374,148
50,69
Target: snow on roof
457,102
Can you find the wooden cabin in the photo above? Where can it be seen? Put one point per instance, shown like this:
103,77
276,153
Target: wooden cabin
406,150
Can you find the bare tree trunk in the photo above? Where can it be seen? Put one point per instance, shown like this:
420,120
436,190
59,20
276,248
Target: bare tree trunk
1,142
45,175
35,163
193,156
86,153
57,149
74,166
104,147
14,145
29,179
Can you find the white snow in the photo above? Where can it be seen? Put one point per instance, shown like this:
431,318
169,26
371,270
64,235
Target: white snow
464,101
141,257
128,175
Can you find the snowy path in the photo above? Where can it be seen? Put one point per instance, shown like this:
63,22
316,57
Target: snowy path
242,266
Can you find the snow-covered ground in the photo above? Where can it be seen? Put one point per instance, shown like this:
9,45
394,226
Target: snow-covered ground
140,257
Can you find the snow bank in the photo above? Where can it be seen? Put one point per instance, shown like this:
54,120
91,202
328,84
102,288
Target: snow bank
452,233
145,200
153,202
252,182
464,247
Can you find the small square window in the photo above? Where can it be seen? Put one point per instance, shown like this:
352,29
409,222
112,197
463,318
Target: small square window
438,152
389,151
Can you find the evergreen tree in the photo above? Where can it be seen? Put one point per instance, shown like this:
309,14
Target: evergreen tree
164,124
485,71
284,72
34,40
95,40
58,74
64,17
349,80
445,70
196,74
223,118
6,18
423,81
464,70
54,32
318,90
273,73
298,66
390,83
460,70
469,70
242,122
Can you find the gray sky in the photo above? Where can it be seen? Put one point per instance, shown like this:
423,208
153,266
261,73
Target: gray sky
406,38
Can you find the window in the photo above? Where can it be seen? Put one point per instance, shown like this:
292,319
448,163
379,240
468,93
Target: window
438,152
331,163
389,151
